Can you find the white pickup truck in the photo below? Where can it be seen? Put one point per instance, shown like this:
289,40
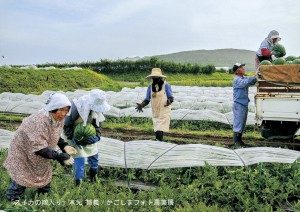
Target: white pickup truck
277,101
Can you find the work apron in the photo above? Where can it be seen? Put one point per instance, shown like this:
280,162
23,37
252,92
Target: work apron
160,112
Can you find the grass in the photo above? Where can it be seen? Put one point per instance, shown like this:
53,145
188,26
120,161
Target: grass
216,79
37,80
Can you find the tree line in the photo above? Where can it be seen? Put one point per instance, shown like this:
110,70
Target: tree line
140,66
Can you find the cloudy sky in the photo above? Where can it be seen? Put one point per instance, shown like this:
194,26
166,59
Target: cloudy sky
41,31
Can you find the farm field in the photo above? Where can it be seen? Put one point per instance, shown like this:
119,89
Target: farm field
260,187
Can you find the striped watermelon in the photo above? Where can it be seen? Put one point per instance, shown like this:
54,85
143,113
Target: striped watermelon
279,61
290,58
278,50
296,61
82,134
265,63
288,62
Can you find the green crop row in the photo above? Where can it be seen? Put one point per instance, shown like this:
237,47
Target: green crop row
261,187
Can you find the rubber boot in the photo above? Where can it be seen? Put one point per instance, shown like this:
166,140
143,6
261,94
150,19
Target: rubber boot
93,175
237,138
44,190
159,135
78,182
241,141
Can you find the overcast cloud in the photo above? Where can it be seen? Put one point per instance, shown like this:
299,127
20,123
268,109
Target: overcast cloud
40,31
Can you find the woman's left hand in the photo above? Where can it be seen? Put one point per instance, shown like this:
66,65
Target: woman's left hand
70,150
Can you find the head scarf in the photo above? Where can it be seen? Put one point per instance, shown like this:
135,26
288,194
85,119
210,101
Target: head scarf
273,34
94,101
57,101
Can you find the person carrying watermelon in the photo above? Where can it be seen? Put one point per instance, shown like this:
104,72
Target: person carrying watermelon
82,130
161,97
33,147
265,49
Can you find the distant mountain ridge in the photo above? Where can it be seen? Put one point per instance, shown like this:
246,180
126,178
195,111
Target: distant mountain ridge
217,57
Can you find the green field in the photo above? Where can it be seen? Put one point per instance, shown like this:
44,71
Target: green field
261,187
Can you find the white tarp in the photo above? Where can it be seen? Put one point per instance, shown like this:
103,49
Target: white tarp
191,103
149,154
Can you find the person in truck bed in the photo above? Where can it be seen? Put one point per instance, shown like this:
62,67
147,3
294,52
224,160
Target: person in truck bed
265,49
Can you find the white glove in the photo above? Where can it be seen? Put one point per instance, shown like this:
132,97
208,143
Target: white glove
273,57
70,150
69,161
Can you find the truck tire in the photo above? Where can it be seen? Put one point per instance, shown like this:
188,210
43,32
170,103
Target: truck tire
276,134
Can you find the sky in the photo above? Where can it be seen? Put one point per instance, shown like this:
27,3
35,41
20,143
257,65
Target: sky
66,31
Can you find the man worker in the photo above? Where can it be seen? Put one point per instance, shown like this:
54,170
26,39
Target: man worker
241,100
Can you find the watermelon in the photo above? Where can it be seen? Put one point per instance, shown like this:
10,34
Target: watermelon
265,63
290,58
279,61
288,62
278,50
296,61
83,133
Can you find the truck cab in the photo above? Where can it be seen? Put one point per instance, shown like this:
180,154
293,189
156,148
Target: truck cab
277,101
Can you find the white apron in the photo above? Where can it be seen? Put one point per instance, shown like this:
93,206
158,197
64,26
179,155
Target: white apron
160,112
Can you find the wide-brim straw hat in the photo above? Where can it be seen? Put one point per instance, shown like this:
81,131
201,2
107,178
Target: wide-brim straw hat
156,72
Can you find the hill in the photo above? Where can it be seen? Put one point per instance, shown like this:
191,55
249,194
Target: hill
218,57
38,80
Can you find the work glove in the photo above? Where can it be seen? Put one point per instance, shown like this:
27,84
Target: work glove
61,157
169,102
70,150
139,107
69,161
93,140
74,142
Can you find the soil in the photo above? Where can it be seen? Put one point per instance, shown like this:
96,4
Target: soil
130,135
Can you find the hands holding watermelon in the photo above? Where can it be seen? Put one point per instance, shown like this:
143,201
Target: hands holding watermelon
70,150
91,140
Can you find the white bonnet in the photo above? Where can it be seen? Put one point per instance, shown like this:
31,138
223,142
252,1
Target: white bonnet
57,101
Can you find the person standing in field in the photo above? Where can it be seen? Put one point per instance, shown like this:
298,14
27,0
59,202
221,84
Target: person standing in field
161,96
241,100
265,49
87,109
33,146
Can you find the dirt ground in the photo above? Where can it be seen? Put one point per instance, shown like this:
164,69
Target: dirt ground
131,135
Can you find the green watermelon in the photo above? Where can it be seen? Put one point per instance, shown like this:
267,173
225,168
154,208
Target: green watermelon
265,63
278,50
82,134
296,61
288,62
290,58
279,61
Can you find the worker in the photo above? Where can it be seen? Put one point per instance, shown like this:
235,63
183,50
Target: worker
241,100
161,97
265,50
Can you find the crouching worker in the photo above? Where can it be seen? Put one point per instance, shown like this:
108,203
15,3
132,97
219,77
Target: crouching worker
33,146
86,111
161,97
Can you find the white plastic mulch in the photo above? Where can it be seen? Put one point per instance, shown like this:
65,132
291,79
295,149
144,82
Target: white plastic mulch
191,103
149,154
